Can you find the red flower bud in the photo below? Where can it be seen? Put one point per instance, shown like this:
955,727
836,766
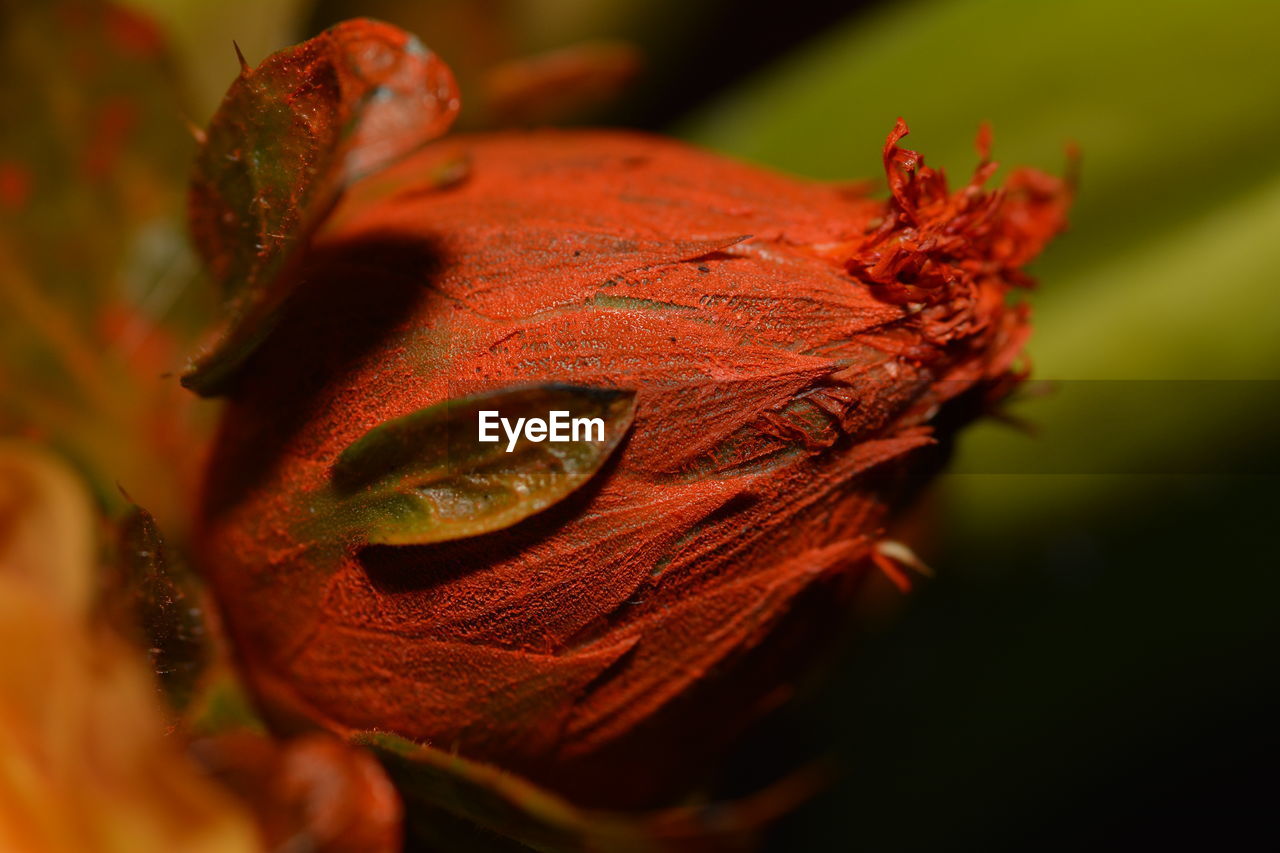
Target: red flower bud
770,355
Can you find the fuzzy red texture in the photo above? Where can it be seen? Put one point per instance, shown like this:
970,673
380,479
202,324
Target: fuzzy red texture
788,343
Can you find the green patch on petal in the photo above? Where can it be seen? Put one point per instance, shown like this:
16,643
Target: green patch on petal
428,477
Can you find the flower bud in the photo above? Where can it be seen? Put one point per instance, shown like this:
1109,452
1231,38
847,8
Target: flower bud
768,356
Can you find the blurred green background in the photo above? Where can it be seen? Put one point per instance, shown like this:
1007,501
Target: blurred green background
1095,665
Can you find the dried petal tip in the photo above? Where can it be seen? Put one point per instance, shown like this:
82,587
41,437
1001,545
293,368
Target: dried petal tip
245,68
936,246
983,142
893,558
197,132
